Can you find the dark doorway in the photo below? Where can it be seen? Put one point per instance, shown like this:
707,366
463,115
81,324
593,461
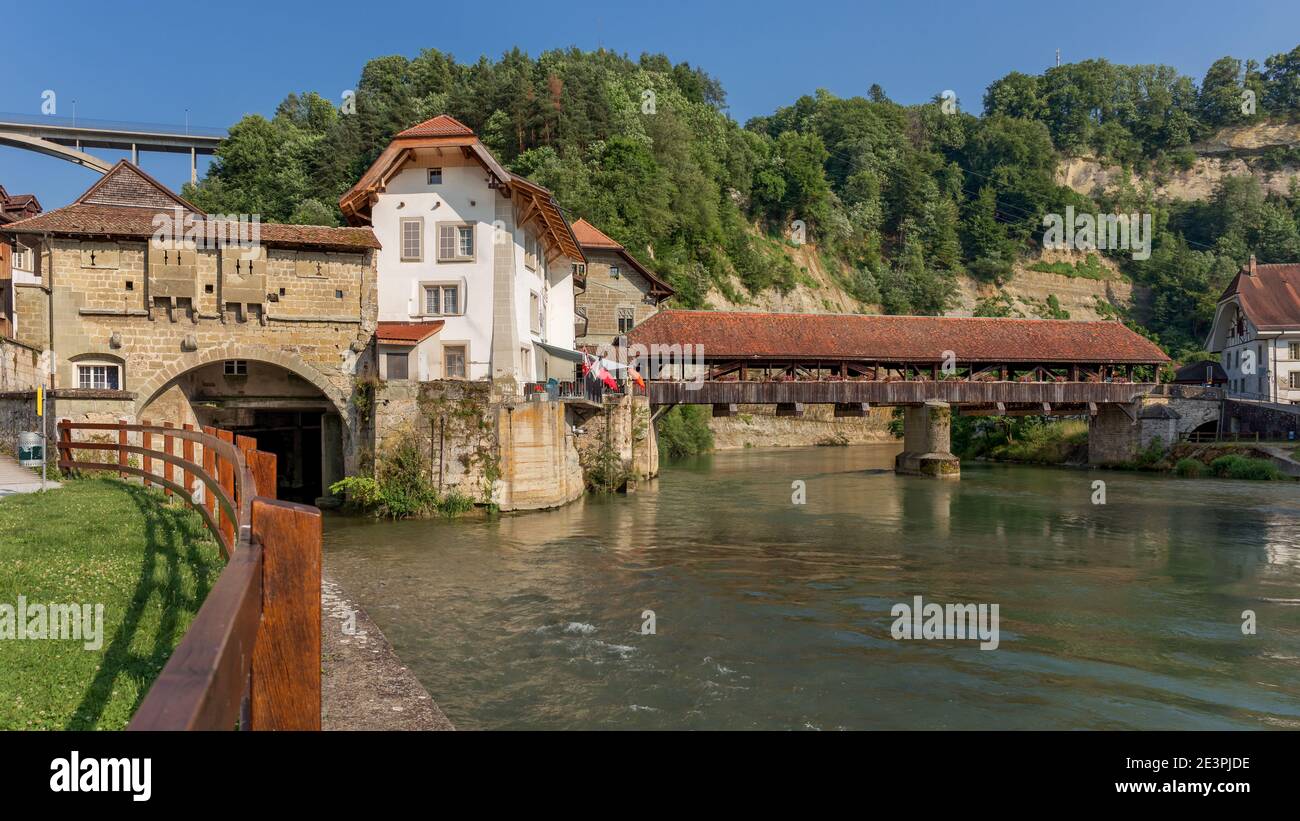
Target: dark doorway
295,439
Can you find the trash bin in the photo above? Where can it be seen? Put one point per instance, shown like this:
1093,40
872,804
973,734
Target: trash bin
31,450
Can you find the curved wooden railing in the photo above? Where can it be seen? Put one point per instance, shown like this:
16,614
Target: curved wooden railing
251,658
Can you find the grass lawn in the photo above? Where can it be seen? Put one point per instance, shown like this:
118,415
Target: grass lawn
150,563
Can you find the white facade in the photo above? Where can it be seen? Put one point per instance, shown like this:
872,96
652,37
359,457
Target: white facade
443,259
1261,366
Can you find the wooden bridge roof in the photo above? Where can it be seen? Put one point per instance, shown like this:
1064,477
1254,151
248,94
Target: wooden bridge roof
831,337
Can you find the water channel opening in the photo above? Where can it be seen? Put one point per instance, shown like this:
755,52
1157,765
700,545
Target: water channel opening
285,413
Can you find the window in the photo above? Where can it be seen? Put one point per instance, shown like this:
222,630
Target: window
20,260
412,239
442,300
1295,350
1295,379
236,367
455,243
453,361
435,176
626,318
613,272
397,365
99,377
530,252
535,313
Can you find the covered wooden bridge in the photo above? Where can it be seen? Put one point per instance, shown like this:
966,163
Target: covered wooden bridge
978,365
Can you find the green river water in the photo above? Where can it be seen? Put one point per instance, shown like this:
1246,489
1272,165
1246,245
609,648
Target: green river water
770,614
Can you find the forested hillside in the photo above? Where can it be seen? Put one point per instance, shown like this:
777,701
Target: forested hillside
899,201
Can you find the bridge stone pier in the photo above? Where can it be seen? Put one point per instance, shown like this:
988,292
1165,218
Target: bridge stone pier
927,442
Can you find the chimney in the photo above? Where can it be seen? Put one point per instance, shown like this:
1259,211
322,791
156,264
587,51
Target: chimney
1250,270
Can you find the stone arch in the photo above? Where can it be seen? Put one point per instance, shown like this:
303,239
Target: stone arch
187,362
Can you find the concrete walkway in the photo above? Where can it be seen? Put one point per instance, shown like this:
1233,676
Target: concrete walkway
15,478
364,685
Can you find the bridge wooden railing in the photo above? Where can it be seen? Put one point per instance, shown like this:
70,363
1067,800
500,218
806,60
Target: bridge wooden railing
251,657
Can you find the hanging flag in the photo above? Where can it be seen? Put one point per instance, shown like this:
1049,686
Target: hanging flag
636,377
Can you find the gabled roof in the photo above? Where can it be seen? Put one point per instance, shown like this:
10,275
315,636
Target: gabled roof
1198,373
739,335
446,132
128,185
407,333
17,206
444,125
592,238
1270,296
123,204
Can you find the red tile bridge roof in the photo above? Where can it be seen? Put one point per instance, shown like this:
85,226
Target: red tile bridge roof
838,337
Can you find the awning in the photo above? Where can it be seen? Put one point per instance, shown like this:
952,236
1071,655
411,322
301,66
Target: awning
578,356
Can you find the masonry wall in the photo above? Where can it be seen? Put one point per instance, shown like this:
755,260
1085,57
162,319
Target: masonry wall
1112,436
480,444
309,312
1269,420
605,295
625,428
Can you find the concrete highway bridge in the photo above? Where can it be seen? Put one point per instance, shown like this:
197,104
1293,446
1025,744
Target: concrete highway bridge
930,366
67,138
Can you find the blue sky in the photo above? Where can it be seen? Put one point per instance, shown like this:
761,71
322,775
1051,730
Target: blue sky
150,61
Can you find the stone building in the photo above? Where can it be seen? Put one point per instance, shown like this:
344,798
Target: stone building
147,308
619,292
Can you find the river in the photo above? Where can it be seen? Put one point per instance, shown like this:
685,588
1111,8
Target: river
770,614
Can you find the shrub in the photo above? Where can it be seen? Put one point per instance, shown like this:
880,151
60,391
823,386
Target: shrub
453,503
1241,467
684,431
1189,468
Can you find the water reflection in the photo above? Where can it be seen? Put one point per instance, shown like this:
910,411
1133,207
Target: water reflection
772,614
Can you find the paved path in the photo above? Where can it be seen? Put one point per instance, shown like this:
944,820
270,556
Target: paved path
15,478
364,684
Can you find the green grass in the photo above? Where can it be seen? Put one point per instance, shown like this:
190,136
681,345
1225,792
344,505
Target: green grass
150,563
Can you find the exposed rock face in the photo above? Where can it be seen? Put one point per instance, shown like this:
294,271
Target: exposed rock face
758,426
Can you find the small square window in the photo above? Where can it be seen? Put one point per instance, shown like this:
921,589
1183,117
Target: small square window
626,319
130,285
435,176
338,294
281,292
236,367
613,272
207,289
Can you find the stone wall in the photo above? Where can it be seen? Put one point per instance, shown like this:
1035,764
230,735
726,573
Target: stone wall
491,448
159,317
606,294
20,366
625,428
758,426
1268,420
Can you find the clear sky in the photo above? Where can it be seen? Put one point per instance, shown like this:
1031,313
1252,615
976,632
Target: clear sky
150,61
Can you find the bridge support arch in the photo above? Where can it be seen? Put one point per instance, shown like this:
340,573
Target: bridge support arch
927,442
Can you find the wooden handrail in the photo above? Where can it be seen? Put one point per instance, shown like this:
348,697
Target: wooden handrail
251,657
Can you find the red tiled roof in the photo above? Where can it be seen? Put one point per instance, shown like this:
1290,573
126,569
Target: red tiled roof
407,333
1270,297
589,236
137,223
738,335
124,202
444,125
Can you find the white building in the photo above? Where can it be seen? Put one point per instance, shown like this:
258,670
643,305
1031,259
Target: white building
477,265
1256,332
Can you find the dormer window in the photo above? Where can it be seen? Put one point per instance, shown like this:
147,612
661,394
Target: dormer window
435,176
